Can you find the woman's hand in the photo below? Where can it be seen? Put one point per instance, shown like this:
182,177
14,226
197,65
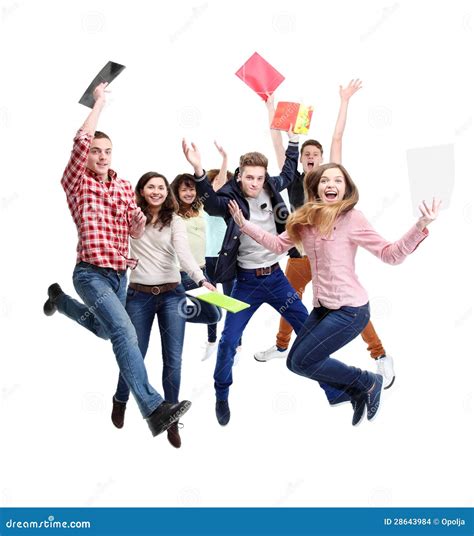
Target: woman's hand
209,286
429,214
236,213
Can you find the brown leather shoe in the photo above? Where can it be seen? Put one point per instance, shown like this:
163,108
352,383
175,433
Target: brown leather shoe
118,412
173,435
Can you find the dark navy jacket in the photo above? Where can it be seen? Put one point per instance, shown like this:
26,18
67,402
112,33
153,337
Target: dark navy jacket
215,204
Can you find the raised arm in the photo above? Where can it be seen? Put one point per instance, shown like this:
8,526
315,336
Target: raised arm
363,234
77,162
276,243
214,205
290,166
336,143
276,136
221,177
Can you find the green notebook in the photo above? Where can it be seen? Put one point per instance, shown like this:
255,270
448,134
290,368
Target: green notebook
216,298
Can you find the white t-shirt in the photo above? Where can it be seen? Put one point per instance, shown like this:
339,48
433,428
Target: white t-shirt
252,255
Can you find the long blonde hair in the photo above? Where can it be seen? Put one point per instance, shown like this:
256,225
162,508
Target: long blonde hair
316,213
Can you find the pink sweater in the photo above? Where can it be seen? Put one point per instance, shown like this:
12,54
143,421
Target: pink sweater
332,259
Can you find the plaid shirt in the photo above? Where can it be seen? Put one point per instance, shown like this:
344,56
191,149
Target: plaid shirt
102,214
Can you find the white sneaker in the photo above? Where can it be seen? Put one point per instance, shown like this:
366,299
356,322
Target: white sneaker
209,349
385,368
271,353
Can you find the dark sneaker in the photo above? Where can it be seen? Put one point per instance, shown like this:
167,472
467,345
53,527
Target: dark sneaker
165,415
358,405
49,307
372,397
118,412
222,412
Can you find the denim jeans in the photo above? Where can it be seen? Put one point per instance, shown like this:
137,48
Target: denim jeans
273,289
211,263
103,313
200,312
142,309
325,332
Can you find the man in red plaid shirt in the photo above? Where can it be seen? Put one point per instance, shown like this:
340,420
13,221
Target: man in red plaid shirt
104,210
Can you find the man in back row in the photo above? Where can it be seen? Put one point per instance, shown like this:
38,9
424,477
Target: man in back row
298,269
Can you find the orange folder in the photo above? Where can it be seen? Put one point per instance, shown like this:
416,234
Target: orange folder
292,113
260,75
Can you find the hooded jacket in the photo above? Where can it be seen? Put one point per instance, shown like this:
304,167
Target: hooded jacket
216,203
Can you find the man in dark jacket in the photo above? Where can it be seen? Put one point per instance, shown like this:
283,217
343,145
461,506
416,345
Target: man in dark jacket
259,278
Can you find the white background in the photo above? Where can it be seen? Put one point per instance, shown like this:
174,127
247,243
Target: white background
284,445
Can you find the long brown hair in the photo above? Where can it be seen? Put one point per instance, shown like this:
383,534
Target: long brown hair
168,207
316,213
184,210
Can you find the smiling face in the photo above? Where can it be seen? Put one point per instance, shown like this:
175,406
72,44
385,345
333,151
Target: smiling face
187,193
154,192
311,158
100,156
252,179
332,186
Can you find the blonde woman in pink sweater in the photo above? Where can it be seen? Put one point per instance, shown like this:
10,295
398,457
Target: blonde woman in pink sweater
330,230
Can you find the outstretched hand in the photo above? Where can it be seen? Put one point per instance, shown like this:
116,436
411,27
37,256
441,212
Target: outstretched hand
347,92
236,213
429,214
193,156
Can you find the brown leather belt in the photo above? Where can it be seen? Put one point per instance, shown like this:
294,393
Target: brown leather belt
153,289
259,272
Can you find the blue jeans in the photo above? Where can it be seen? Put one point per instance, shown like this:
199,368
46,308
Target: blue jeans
325,332
142,309
103,313
273,289
227,286
200,312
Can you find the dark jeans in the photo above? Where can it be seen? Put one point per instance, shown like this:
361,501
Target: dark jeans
211,263
200,312
103,291
142,309
325,332
273,289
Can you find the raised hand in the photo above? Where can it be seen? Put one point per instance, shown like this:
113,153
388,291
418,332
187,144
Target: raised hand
193,156
236,213
429,214
220,149
99,92
270,102
347,92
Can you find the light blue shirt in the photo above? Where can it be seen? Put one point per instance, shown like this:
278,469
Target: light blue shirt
215,232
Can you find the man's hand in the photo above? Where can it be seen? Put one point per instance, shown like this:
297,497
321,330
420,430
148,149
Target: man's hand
429,214
137,223
347,92
209,286
100,92
193,157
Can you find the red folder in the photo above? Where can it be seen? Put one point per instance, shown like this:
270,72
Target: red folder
260,75
292,113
